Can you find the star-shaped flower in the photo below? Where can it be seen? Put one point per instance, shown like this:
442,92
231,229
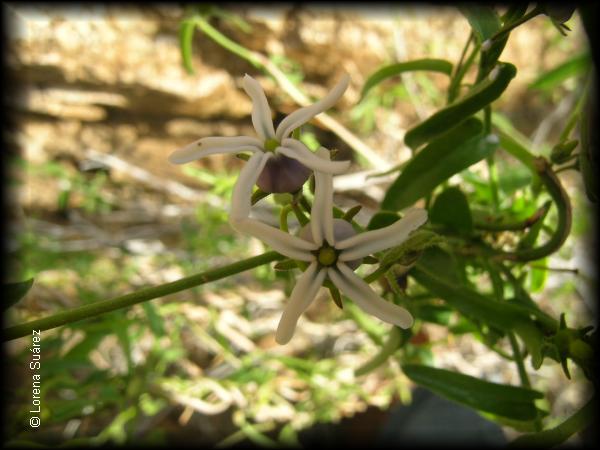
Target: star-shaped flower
330,246
287,171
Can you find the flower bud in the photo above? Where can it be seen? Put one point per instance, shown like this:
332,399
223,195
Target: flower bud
559,12
282,174
561,152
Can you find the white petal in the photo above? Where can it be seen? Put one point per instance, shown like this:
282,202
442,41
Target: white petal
295,149
374,241
302,296
211,145
321,215
361,293
281,242
303,115
261,113
241,198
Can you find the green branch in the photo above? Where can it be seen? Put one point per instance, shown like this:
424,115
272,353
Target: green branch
499,226
143,295
559,434
509,27
453,89
565,216
389,347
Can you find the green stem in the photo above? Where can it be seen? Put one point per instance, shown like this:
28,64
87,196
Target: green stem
563,168
518,150
574,116
518,358
507,29
283,215
247,431
541,168
565,216
143,295
459,65
453,89
555,269
339,213
549,323
299,214
492,179
226,42
521,225
559,434
381,270
305,204
390,346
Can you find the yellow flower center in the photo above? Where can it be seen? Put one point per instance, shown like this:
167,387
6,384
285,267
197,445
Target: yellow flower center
271,144
327,256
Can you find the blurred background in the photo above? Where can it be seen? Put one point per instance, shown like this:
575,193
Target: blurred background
99,98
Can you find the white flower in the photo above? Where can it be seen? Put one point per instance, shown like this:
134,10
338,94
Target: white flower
270,141
328,255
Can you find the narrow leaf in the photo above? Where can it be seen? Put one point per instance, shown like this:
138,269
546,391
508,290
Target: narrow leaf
574,66
13,292
537,277
483,20
484,93
432,65
154,319
451,209
504,400
382,219
502,315
445,156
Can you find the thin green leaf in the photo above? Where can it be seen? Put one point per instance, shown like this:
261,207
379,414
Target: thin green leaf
13,292
439,314
81,350
502,315
232,18
395,338
507,401
382,219
186,35
439,261
512,178
534,340
451,209
514,13
484,93
483,20
432,65
538,277
447,155
528,241
574,66
154,319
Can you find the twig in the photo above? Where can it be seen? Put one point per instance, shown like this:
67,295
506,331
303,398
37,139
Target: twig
97,308
170,186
